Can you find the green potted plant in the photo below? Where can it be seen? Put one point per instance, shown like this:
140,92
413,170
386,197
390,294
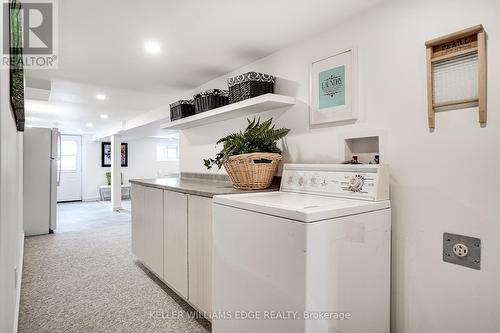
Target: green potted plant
251,157
108,178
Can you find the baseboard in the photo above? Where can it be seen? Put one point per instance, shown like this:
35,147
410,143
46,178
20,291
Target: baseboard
19,280
91,199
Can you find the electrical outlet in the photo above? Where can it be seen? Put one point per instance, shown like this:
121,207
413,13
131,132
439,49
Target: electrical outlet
462,250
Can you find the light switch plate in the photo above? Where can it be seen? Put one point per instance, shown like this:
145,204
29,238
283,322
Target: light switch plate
472,244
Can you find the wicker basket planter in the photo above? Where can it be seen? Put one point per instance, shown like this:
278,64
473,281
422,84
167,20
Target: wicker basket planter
253,171
181,109
248,85
210,99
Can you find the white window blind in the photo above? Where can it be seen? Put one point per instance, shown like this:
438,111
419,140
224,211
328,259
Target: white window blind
456,79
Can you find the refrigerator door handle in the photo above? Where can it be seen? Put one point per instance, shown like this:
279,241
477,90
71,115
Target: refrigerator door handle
59,158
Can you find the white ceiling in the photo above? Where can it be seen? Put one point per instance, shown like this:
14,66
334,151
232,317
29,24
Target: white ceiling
101,50
72,105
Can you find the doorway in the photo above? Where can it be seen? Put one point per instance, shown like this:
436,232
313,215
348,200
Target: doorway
70,167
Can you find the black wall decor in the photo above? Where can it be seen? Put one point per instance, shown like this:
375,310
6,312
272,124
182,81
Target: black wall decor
106,154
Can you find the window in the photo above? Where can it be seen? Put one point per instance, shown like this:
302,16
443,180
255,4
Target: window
68,156
167,151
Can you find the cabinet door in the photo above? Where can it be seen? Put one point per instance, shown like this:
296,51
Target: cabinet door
138,227
200,252
153,212
175,242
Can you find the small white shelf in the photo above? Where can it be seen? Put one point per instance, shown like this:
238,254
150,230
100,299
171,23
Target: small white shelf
250,106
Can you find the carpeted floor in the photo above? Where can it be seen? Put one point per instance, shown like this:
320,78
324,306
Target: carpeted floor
84,279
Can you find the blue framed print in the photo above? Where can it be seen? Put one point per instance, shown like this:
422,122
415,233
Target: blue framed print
333,93
332,87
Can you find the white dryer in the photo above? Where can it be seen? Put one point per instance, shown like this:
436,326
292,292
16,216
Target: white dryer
313,257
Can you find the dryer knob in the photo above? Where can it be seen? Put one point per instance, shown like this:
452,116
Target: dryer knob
301,181
356,183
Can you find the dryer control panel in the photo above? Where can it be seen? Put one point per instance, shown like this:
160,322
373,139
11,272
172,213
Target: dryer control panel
354,181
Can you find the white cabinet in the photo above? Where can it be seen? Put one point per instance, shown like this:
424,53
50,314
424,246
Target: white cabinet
147,226
175,242
200,252
172,236
153,199
138,227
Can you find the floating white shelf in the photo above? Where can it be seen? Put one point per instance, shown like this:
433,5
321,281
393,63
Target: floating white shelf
250,106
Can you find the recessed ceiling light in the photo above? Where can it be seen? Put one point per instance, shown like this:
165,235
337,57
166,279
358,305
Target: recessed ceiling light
104,116
90,125
152,47
100,97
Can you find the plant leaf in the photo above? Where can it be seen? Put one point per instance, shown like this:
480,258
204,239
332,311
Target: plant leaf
257,137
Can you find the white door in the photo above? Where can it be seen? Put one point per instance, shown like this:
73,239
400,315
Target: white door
70,186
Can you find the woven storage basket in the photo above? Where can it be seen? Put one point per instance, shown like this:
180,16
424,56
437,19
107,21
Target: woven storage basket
210,99
181,109
252,171
248,85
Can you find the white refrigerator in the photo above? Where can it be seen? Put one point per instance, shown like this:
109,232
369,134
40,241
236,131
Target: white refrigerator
41,178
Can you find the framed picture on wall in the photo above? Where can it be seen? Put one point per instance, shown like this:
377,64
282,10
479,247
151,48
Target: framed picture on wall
106,154
16,62
333,88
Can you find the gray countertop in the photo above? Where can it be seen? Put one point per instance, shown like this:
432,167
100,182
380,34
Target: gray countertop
195,186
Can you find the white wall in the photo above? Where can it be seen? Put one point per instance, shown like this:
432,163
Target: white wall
441,181
142,163
11,233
